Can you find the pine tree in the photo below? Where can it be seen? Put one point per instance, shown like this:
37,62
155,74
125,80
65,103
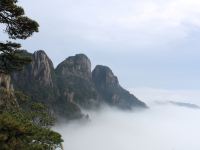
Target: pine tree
21,129
17,26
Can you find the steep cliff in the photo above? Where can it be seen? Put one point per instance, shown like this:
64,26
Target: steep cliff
7,97
72,85
5,81
111,92
38,81
75,81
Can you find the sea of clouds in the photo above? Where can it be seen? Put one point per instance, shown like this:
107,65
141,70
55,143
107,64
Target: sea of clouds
162,127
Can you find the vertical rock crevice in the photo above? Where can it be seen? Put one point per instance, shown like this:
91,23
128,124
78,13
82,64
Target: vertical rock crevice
8,100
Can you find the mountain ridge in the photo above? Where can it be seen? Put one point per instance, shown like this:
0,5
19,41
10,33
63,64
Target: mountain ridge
72,85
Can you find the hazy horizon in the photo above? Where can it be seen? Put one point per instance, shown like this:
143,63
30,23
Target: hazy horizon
161,127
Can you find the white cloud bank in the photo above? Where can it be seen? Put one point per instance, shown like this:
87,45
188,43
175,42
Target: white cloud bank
159,128
150,95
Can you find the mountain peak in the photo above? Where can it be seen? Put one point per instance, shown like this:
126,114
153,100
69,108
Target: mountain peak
78,65
42,67
111,92
72,85
40,53
103,75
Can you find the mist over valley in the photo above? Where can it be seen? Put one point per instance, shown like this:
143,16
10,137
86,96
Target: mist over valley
161,127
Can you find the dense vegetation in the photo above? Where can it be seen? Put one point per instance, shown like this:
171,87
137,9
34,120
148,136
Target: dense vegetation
24,125
28,130
18,26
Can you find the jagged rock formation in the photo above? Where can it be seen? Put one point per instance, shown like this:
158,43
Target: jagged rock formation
78,65
72,85
5,81
38,81
7,97
111,92
75,81
42,69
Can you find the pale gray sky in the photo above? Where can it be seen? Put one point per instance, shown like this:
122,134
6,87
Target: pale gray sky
147,43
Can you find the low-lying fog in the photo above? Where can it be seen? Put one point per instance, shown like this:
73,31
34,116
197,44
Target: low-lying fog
162,127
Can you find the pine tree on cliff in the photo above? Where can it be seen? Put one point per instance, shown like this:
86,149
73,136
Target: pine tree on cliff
17,26
21,129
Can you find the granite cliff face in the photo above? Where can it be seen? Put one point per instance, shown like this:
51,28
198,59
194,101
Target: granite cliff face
38,81
7,93
5,81
42,69
78,65
75,81
111,92
72,85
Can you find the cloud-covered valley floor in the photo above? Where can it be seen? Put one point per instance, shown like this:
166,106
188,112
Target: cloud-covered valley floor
162,127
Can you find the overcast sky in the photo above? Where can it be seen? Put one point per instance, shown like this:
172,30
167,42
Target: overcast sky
147,43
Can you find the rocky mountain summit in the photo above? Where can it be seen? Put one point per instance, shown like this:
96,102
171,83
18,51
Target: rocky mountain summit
78,65
74,79
111,92
37,79
72,85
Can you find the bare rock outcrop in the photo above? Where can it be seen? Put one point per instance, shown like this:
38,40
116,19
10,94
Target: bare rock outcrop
8,100
72,85
111,92
75,84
